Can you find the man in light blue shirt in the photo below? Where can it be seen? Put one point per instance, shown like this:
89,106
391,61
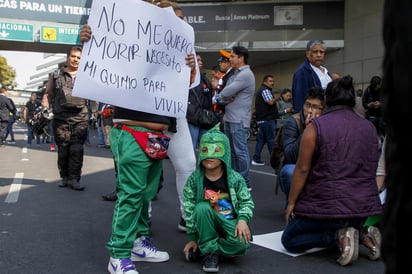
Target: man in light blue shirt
237,96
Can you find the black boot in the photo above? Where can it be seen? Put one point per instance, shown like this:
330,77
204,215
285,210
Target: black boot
74,184
63,182
110,196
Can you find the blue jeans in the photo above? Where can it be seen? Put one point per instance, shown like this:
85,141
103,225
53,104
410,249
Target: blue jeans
285,179
10,129
101,135
88,136
302,234
237,134
196,133
30,136
266,135
51,132
52,142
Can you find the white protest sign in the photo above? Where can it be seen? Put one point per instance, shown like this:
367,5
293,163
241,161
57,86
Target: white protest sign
136,58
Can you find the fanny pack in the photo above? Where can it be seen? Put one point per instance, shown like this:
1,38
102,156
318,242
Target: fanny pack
154,144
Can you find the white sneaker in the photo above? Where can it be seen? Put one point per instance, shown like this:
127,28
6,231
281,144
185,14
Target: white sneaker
257,163
121,266
144,251
181,226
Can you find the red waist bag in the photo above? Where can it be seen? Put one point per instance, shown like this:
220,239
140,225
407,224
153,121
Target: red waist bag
155,145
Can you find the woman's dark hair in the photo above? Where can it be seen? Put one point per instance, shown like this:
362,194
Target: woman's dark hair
241,51
340,92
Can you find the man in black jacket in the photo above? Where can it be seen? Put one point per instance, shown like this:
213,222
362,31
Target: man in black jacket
70,122
12,118
5,108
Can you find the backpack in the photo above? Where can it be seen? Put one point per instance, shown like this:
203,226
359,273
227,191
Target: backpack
277,157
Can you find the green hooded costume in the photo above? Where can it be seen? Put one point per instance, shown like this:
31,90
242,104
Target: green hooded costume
212,231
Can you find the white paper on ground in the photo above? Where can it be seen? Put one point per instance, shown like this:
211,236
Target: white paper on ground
272,241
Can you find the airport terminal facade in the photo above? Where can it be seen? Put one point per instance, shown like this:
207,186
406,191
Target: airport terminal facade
275,32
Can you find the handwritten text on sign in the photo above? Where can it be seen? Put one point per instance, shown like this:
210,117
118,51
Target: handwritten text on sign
136,58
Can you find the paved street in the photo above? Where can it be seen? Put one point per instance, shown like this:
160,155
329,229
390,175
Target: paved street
46,229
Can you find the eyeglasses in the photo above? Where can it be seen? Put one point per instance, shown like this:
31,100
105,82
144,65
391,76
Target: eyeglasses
314,107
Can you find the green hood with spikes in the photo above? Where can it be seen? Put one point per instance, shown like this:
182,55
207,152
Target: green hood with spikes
214,144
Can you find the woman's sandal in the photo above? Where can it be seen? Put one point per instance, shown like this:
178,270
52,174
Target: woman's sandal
349,245
371,238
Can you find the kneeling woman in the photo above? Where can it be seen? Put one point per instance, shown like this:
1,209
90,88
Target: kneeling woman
334,186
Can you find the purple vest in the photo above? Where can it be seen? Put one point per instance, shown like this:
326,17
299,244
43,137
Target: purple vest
342,180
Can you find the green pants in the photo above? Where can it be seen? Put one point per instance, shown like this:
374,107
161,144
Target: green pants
136,185
217,233
372,220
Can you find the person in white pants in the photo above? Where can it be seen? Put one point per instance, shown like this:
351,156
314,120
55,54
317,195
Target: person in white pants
183,158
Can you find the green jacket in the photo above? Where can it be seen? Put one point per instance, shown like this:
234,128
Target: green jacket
193,191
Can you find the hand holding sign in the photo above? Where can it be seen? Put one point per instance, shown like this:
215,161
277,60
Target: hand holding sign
135,61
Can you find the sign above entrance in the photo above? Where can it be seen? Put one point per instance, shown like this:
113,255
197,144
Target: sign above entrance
16,32
60,35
